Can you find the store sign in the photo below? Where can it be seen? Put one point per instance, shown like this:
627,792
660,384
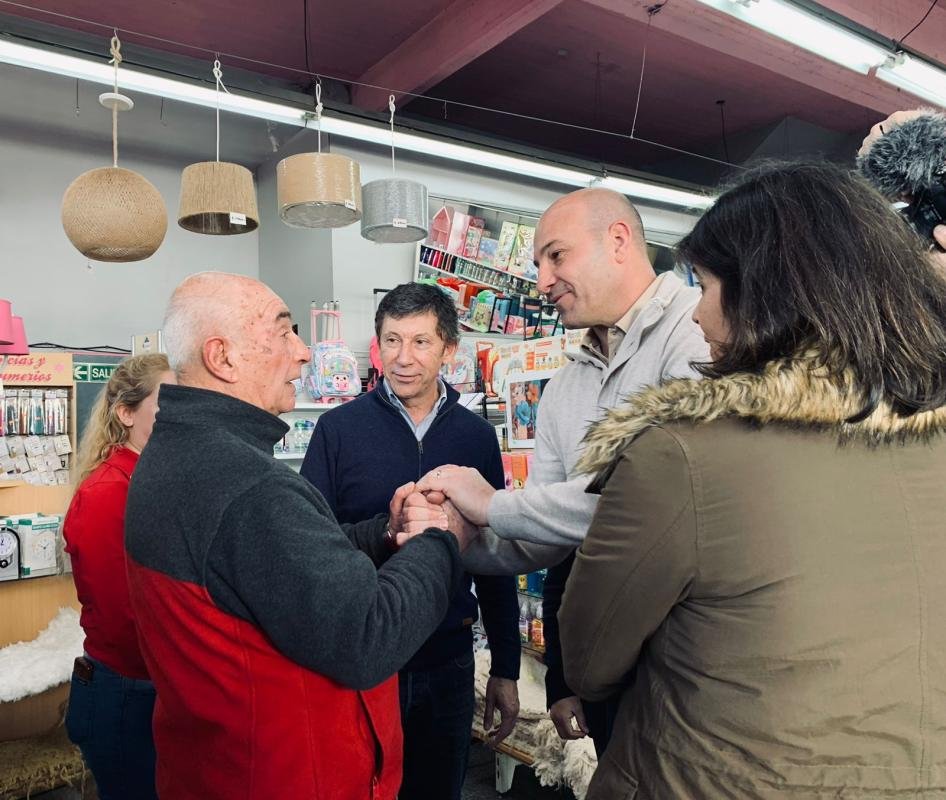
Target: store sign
37,369
92,373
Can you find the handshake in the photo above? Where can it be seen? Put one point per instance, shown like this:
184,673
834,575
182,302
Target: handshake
450,498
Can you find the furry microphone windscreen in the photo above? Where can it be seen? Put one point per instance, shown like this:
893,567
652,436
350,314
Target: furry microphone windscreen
907,159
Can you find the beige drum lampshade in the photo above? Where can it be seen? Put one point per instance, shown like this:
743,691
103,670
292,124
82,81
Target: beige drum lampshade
218,198
114,214
318,190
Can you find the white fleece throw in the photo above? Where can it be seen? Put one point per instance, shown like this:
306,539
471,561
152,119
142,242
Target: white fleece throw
28,668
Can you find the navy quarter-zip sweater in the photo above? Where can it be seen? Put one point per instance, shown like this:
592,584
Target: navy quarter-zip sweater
363,450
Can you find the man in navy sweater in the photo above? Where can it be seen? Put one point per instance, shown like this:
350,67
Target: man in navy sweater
360,453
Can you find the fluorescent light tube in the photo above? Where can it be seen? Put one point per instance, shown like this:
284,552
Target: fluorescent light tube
916,77
134,81
810,32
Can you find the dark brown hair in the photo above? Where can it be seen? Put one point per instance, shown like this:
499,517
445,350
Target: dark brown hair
811,256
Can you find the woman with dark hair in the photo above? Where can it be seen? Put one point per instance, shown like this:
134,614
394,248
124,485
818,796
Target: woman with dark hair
769,549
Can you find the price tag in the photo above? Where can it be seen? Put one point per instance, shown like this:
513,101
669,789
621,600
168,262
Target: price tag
399,222
237,219
350,205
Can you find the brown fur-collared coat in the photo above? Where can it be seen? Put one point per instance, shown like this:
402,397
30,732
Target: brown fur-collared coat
766,584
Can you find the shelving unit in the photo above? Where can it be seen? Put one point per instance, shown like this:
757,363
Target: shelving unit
303,407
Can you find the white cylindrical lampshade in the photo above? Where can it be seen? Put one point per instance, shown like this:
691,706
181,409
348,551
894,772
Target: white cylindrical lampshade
318,190
395,211
217,198
114,214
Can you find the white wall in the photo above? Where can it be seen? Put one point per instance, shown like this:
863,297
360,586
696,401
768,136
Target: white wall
61,298
360,265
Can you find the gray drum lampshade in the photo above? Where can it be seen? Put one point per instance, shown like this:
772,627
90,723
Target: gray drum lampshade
217,198
318,190
395,211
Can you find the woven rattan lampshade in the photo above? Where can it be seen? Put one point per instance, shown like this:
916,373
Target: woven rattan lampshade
217,198
318,190
114,214
395,211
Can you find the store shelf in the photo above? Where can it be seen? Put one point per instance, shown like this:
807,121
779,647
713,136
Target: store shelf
315,406
536,595
494,334
476,263
289,456
477,281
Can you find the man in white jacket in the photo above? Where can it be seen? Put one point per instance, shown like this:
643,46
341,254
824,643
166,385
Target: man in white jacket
593,265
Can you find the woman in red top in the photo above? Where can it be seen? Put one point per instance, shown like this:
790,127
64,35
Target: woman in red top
112,699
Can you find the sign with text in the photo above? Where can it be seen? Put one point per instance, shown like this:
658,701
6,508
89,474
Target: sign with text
37,369
92,373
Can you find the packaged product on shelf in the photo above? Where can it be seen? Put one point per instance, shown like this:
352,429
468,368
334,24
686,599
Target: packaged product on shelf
23,411
487,250
507,241
458,228
11,413
521,262
507,470
538,628
473,235
37,413
500,315
524,620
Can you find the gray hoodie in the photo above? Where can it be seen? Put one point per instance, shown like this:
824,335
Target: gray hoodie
539,525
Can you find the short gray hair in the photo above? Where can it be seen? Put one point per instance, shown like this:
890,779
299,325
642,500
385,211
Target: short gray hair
194,313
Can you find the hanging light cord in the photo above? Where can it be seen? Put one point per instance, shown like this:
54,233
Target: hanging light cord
391,109
116,50
218,75
318,112
458,104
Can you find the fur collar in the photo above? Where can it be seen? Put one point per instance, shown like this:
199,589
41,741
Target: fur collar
794,391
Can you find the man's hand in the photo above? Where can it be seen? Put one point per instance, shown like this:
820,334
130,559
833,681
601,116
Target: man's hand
396,507
502,694
420,514
469,491
569,718
887,125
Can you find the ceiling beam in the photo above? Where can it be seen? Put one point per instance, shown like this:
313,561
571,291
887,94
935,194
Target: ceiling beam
707,27
456,36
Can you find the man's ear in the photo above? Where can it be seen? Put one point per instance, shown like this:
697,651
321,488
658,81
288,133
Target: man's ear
448,351
619,240
217,356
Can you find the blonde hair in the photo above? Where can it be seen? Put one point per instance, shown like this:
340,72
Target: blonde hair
134,380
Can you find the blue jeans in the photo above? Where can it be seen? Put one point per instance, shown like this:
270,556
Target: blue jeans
437,717
109,718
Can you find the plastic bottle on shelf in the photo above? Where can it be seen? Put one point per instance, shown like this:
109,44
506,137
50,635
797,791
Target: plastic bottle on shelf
538,628
524,621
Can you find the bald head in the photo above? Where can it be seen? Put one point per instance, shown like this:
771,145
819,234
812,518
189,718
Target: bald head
205,305
602,208
591,257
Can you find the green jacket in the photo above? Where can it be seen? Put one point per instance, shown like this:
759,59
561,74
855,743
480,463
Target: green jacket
778,577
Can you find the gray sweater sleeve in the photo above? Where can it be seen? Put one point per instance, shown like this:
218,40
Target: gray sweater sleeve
282,562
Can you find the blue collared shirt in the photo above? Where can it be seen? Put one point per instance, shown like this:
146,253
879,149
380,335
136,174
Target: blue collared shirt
420,428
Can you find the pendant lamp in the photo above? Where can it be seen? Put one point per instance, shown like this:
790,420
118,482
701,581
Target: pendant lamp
110,213
318,190
217,197
19,346
395,208
6,323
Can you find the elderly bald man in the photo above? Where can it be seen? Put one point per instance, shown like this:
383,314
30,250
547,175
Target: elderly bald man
273,633
593,265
